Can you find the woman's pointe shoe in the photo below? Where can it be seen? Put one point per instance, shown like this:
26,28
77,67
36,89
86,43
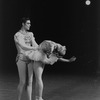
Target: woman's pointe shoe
38,98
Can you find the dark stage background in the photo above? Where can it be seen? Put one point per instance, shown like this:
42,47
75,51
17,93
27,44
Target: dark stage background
68,22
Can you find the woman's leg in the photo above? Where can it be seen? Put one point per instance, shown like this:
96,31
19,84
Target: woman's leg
30,79
22,75
38,70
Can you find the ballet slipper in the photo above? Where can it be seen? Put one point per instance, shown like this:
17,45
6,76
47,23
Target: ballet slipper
39,98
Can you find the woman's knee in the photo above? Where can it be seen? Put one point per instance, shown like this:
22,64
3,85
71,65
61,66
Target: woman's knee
39,82
39,79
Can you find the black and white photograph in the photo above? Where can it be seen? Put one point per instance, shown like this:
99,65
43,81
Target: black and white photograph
50,50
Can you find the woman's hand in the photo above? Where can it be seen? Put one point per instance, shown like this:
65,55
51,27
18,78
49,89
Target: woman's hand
68,60
72,59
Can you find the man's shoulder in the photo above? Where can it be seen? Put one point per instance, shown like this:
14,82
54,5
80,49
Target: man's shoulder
31,33
18,33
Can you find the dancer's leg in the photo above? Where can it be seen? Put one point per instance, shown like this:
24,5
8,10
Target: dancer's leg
22,75
38,70
30,79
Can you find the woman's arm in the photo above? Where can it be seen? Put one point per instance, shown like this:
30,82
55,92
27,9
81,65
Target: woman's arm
67,60
64,60
51,60
19,39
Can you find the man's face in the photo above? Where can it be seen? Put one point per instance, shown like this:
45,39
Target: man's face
27,25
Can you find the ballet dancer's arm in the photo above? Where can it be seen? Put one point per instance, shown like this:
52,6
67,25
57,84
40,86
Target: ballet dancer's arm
64,60
19,39
51,60
67,60
34,43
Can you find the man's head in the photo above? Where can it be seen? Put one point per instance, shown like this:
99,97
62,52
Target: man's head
26,23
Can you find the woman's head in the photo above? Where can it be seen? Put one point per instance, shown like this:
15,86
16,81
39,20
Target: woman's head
59,50
26,23
48,47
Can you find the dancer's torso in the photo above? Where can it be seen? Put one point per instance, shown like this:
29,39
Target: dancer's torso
27,38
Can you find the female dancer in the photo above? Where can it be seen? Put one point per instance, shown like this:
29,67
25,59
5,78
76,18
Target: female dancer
49,52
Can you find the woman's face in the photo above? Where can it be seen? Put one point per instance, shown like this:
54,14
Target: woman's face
27,25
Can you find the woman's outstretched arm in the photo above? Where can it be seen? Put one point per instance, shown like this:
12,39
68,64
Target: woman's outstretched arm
64,60
67,60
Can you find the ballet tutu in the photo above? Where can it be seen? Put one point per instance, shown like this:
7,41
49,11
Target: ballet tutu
35,55
48,52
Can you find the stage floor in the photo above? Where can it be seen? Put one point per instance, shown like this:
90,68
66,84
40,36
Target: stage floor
56,87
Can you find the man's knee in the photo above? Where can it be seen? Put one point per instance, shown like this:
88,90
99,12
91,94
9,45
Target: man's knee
22,82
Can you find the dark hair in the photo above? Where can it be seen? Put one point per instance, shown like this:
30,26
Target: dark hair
24,19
